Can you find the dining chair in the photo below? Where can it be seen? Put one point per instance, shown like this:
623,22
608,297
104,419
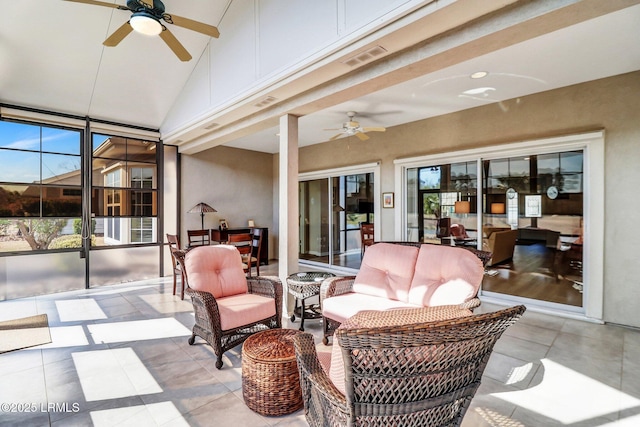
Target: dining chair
174,243
243,242
256,244
366,236
199,238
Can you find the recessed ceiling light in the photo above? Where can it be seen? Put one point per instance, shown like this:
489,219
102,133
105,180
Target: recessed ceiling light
479,74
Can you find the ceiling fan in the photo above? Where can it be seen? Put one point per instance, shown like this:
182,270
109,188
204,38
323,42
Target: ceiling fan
146,18
352,127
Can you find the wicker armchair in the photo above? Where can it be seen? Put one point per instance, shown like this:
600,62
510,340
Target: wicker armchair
228,306
417,374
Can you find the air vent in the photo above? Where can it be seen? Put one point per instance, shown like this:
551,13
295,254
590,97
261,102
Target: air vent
266,101
212,125
365,56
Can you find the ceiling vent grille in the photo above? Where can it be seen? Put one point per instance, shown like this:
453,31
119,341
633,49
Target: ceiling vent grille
266,101
362,57
212,125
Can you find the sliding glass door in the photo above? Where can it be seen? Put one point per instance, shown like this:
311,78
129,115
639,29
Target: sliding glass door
331,212
526,209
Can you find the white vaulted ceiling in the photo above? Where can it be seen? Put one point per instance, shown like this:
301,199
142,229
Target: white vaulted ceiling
52,58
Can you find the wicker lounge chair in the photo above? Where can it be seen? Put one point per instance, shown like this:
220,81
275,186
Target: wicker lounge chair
416,374
228,306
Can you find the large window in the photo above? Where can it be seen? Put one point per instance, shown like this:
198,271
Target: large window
124,200
40,187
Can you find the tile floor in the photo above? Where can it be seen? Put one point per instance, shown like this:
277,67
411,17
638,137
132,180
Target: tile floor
120,357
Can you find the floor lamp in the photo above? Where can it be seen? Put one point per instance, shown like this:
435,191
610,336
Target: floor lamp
202,208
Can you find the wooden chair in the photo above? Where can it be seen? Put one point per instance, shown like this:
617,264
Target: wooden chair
397,369
199,238
243,242
228,306
256,244
174,243
366,236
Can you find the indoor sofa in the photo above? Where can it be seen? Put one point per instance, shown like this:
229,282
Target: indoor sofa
394,276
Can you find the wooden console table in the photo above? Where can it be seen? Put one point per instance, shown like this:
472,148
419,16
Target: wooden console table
222,236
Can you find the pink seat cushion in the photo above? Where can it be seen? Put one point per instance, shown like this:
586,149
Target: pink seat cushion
445,275
244,309
386,271
217,270
342,307
379,319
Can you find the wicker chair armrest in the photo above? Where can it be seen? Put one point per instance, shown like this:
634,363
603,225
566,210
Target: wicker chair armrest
268,286
207,301
334,286
471,304
314,376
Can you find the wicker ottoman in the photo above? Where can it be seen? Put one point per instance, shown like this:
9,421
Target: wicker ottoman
270,380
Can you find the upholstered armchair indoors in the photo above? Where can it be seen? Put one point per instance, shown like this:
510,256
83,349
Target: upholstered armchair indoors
401,367
228,306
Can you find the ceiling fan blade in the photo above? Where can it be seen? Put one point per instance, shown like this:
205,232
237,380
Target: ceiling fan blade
334,137
333,129
118,35
175,45
362,136
190,24
101,3
374,129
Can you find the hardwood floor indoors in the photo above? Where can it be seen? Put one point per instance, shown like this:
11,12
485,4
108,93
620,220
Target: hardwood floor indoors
536,272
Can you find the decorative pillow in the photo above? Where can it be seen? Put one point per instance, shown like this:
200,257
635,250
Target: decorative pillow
216,269
445,275
386,271
380,319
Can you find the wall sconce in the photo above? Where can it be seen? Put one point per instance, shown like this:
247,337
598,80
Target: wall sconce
497,208
462,207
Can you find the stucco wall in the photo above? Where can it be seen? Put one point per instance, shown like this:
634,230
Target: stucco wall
237,183
612,104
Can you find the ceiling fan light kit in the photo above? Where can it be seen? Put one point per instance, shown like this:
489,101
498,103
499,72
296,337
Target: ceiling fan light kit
145,19
146,24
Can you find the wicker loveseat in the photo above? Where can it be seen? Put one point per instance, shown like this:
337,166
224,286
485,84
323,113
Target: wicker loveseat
400,367
395,276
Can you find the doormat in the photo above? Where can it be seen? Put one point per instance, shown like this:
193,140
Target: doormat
23,333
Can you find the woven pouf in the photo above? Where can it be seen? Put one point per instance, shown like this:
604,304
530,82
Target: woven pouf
270,380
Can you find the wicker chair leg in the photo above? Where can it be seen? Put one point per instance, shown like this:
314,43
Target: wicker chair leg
192,339
219,362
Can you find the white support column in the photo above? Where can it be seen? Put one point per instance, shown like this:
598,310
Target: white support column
288,202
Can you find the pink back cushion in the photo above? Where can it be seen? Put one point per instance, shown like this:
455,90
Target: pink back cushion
386,271
445,275
217,270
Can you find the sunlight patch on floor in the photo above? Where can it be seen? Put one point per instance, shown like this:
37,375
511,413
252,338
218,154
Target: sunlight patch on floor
569,397
162,413
66,336
137,330
79,309
113,374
